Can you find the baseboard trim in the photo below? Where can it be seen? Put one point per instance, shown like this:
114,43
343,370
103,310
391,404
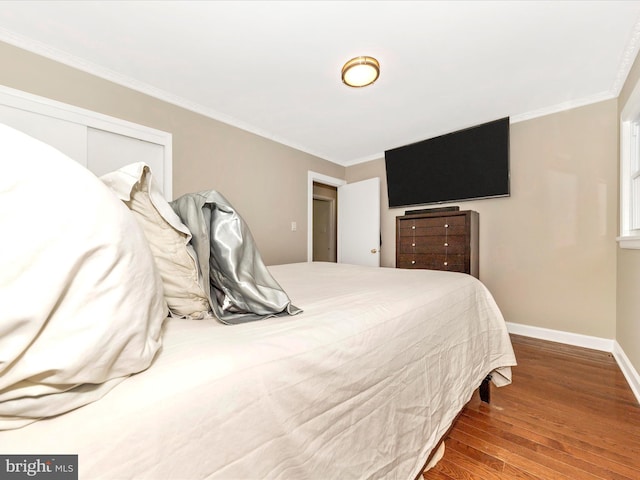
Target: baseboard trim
630,373
576,339
586,341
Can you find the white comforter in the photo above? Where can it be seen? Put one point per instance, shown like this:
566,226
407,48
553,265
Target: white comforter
362,384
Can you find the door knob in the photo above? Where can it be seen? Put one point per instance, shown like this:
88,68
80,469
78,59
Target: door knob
373,250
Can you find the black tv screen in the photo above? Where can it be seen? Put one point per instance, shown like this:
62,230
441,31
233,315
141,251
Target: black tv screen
465,165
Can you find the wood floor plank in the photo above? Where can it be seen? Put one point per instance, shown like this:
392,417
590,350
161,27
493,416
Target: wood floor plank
437,474
611,430
473,468
512,473
508,453
569,414
476,455
566,411
560,442
518,414
557,452
453,470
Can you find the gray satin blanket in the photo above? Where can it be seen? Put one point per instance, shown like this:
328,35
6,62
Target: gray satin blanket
241,287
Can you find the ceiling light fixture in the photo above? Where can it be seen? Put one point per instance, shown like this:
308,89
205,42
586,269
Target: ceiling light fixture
360,71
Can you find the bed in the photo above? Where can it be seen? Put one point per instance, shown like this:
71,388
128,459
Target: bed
359,376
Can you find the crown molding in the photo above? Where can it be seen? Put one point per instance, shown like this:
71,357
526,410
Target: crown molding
561,107
628,57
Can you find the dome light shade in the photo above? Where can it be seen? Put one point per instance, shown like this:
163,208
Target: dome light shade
360,71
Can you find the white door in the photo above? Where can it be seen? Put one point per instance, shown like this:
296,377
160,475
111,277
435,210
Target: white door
359,223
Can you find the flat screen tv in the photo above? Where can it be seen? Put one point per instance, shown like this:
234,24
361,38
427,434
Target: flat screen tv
468,164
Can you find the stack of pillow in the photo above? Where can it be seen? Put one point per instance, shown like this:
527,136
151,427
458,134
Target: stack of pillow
185,289
82,299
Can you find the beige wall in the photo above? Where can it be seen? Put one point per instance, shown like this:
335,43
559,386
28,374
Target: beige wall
264,180
628,262
547,252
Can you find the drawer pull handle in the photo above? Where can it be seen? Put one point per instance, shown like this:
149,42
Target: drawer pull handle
413,244
446,225
413,227
446,263
446,244
413,262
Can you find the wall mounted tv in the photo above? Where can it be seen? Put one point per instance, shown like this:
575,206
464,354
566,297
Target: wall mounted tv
468,164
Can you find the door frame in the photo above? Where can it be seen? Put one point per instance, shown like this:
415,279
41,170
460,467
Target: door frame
320,178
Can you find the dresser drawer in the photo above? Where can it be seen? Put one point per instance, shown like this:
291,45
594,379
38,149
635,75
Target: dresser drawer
432,231
454,263
434,222
451,244
432,226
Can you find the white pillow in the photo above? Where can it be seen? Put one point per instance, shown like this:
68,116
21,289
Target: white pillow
168,237
81,299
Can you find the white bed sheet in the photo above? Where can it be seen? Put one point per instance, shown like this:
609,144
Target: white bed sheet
362,384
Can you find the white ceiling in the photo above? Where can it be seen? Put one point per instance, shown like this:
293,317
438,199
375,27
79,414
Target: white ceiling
273,68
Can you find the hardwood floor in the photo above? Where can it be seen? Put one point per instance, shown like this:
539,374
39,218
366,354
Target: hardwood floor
569,414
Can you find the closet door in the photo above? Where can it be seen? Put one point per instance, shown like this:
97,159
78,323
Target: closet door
108,151
68,137
98,142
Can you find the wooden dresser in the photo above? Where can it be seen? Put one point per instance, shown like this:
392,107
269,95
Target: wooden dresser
439,241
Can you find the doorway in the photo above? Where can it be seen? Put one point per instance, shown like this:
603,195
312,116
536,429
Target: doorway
313,178
357,219
324,222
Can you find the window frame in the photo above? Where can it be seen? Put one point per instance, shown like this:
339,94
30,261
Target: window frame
630,171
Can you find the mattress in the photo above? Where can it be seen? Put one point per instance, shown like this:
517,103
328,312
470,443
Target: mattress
362,384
